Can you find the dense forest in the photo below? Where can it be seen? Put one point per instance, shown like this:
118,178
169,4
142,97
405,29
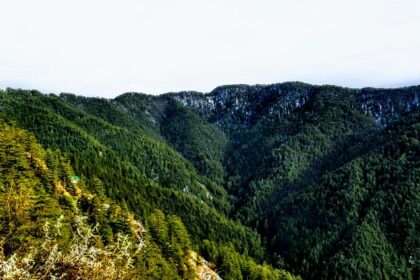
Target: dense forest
244,182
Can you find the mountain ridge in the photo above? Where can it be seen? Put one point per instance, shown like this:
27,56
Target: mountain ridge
239,165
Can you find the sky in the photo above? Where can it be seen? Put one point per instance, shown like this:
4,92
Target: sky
105,48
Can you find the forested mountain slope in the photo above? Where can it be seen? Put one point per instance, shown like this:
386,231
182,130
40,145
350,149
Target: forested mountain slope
143,175
52,227
322,181
283,140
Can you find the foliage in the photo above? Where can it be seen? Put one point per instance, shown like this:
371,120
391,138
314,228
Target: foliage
84,260
107,169
319,180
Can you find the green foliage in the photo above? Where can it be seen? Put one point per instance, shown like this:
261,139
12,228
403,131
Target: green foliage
232,265
319,180
360,219
197,140
138,170
36,193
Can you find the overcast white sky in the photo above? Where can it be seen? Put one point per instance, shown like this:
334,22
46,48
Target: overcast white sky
105,48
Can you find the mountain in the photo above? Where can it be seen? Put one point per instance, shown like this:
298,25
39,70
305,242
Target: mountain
123,167
321,181
53,227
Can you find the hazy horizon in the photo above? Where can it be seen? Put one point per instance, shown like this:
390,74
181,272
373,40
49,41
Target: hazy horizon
104,48
204,92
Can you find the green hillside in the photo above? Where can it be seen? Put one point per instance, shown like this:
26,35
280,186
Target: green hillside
258,180
118,161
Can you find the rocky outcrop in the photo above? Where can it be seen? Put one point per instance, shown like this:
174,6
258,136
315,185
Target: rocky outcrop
234,106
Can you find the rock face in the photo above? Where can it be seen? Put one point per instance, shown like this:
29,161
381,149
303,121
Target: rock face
202,268
236,106
388,105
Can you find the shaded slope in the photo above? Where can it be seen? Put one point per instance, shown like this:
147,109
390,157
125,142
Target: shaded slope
306,166
127,172
360,220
